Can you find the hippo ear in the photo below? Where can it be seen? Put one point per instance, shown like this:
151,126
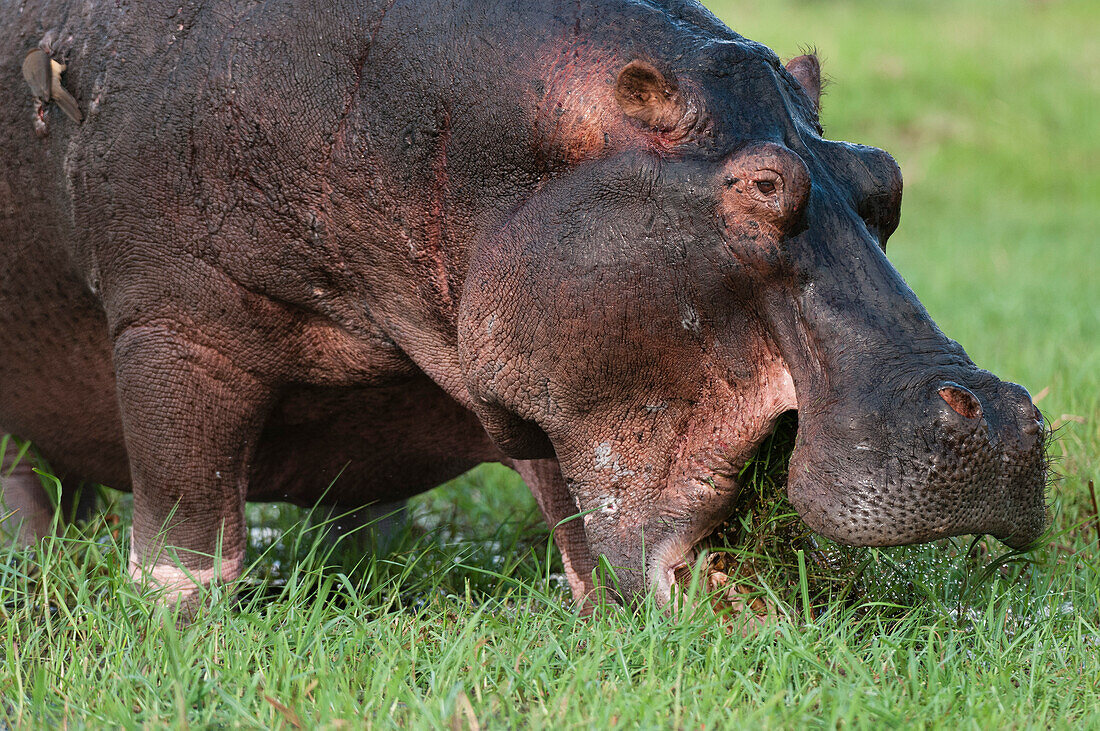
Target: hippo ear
807,70
647,95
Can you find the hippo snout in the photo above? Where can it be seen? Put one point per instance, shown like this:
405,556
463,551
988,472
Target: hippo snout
961,455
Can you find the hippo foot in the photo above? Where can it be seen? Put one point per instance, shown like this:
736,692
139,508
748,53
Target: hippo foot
180,588
27,512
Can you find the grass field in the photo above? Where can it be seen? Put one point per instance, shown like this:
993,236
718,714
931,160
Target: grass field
992,108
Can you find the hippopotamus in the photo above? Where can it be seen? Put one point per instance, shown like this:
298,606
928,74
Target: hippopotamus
344,251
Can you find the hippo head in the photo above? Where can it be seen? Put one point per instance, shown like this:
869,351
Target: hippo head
706,263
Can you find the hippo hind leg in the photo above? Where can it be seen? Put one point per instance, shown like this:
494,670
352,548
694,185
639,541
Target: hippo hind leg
26,508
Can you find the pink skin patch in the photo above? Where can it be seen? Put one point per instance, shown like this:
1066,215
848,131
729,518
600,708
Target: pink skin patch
180,585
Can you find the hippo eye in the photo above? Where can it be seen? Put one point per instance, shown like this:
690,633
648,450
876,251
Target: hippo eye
766,187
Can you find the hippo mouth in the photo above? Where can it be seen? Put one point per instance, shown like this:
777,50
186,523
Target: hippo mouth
1013,511
762,485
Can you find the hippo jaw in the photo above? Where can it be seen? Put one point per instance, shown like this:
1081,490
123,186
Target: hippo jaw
850,479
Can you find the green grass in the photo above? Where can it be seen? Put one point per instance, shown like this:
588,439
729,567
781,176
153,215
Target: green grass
993,110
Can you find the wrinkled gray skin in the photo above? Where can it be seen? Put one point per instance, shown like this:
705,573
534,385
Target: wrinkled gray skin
602,242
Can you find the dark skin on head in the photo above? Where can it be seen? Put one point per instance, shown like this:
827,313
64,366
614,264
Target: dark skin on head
605,244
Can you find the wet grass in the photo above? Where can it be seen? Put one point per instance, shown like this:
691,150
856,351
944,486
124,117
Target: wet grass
991,107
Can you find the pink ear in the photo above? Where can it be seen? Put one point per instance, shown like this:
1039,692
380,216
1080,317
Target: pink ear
807,69
647,95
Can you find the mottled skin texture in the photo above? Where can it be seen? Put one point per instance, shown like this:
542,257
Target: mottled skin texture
602,242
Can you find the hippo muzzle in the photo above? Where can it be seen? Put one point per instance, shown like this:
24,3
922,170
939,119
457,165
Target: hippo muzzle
924,461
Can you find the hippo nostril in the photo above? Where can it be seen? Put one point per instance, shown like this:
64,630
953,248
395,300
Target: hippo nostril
961,401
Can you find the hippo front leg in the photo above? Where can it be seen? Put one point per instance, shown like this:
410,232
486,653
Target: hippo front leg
192,418
543,477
